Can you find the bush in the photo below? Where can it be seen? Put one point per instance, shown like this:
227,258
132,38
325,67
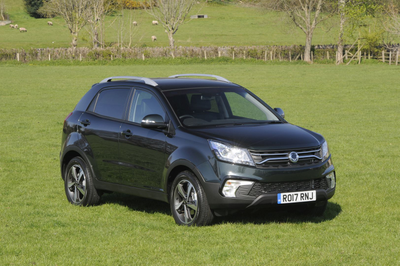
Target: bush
32,7
131,4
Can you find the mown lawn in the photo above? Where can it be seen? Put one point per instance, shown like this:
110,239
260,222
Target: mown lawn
356,108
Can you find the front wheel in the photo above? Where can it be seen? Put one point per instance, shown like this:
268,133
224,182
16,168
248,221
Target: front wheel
188,202
78,184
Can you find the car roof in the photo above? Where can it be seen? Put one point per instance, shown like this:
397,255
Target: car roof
173,82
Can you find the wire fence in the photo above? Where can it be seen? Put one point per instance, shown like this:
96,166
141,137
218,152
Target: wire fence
265,53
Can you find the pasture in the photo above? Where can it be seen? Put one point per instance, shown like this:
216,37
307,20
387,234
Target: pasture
227,25
356,108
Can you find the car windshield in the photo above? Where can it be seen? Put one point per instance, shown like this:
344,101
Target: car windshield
218,107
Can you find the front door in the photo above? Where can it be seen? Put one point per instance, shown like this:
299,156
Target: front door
142,150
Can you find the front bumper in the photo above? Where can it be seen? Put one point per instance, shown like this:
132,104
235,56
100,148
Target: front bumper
268,184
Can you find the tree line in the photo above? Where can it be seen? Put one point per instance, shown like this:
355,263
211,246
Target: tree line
362,21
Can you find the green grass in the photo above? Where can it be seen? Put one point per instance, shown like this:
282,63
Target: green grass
227,25
356,108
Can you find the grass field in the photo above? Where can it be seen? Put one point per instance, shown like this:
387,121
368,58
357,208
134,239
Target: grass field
227,25
356,108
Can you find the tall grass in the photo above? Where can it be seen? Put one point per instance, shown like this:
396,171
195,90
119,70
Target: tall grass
354,107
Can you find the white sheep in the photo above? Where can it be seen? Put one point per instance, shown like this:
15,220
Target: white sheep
49,23
154,22
134,23
153,38
16,26
22,30
11,26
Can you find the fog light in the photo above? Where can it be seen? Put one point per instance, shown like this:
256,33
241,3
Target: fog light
332,179
231,186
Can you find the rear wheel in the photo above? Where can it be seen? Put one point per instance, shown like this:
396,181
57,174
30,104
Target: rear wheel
188,202
78,184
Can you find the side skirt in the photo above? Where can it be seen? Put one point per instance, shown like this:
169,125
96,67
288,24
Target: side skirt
140,192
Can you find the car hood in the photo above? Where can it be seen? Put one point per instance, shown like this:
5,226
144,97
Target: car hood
263,137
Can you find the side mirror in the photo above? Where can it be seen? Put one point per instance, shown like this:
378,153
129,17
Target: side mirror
280,112
153,121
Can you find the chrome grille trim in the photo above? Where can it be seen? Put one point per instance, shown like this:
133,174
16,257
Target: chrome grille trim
283,156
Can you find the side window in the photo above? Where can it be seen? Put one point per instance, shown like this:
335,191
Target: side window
111,102
144,103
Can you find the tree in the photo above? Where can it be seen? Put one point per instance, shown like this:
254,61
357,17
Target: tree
98,11
171,14
32,7
342,14
305,14
76,14
357,20
2,10
392,23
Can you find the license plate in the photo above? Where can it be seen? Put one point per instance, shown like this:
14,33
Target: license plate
294,197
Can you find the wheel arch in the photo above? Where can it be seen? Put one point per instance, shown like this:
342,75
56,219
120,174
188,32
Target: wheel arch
69,155
178,167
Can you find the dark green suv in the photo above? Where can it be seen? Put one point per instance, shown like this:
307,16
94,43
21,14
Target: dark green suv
205,146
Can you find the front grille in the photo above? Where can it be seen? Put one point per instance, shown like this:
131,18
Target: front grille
282,187
280,158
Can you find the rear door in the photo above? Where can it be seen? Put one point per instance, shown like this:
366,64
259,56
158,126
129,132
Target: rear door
142,150
101,126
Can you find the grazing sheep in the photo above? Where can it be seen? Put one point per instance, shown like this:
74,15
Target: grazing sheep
22,30
134,23
153,38
11,26
49,23
154,22
16,26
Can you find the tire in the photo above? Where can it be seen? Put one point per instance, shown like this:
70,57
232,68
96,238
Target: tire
188,202
78,184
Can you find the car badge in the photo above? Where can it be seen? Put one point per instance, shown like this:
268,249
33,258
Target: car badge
293,157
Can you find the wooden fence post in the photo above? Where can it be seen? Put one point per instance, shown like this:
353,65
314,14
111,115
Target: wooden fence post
345,54
18,57
205,54
327,55
290,56
49,57
271,55
383,56
390,57
397,57
233,55
219,53
265,56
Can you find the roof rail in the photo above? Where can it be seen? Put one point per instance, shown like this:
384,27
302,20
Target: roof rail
201,75
146,80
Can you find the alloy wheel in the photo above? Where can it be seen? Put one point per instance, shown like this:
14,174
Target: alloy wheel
185,201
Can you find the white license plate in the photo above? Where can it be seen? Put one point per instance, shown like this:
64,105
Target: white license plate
294,197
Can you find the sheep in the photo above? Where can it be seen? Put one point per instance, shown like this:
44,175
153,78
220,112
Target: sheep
22,30
134,23
154,22
49,23
16,26
153,38
12,26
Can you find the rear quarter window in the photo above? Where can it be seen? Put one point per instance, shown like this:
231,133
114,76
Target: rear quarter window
111,102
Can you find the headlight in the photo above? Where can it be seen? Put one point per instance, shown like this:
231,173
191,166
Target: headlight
232,154
324,151
231,186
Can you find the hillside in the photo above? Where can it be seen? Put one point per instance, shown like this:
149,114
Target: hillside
226,25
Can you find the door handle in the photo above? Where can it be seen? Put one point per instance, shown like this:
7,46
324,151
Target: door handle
127,133
85,122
